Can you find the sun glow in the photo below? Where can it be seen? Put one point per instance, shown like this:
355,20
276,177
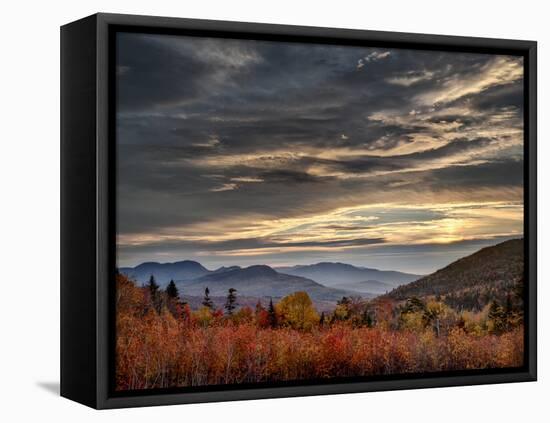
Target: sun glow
348,228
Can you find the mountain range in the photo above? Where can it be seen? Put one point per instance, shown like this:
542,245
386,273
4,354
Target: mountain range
346,276
255,281
322,281
260,281
165,272
470,282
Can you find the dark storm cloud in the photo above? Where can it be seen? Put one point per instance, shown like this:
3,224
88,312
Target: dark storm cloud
147,72
213,131
291,96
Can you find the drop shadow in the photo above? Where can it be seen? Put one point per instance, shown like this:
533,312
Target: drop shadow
51,387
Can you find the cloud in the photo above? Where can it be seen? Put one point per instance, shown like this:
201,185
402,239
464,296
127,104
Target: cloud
411,77
143,84
247,179
377,55
501,70
224,187
212,142
372,57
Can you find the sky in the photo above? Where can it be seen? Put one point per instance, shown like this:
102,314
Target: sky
241,152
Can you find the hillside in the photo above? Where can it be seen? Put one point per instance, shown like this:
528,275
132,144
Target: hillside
473,281
260,281
346,276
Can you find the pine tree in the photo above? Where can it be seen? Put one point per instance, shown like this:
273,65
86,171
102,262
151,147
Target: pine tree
207,302
231,301
366,319
172,290
370,322
272,316
322,319
154,293
152,286
173,301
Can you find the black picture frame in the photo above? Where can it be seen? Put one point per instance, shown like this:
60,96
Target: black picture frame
88,197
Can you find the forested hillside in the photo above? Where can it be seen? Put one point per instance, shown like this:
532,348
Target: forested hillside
471,283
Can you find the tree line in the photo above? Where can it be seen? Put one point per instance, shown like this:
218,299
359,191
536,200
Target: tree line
161,342
297,311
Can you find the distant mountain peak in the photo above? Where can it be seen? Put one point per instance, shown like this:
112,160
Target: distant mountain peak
148,263
226,269
164,272
187,263
260,269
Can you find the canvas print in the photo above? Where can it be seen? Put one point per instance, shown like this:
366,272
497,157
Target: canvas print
291,213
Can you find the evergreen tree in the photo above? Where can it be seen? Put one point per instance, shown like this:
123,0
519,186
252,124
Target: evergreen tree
152,286
231,301
322,319
366,319
207,302
172,290
173,300
369,322
272,316
155,295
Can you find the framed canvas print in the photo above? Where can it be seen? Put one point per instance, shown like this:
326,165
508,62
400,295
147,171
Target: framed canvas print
257,211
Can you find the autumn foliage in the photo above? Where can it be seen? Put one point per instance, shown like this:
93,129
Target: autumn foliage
161,342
